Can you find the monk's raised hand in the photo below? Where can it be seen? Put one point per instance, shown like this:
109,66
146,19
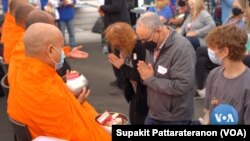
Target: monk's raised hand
77,53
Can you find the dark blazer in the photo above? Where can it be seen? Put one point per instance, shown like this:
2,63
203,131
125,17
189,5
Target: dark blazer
115,11
138,109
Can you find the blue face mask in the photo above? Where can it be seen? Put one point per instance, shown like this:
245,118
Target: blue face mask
213,58
59,65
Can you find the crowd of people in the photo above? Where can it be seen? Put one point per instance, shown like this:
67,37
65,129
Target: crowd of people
174,51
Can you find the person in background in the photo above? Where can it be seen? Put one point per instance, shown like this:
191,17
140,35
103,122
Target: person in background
42,101
147,2
163,9
229,83
36,3
181,15
173,5
122,37
236,18
216,12
168,72
2,73
52,8
66,13
133,16
20,17
226,8
5,5
197,24
43,3
247,21
115,11
11,32
9,20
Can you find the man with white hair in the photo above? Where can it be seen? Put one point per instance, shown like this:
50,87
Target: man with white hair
168,72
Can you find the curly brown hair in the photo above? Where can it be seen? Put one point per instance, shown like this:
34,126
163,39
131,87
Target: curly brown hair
124,34
231,37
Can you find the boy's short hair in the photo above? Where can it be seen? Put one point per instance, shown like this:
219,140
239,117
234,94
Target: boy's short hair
231,37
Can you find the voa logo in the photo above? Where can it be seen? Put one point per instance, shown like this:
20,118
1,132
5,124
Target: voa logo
224,114
224,118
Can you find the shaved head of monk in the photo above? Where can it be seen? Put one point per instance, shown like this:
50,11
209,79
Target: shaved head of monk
14,4
39,16
44,42
22,13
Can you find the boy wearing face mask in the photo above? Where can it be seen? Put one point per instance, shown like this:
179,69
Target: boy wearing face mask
229,83
162,9
206,60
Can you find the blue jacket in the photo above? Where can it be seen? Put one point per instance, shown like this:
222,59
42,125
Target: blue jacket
43,3
5,6
166,12
66,12
226,7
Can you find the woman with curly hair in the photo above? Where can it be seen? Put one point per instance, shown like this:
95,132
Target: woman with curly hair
122,37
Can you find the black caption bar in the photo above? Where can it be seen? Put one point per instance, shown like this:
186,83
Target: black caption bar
136,132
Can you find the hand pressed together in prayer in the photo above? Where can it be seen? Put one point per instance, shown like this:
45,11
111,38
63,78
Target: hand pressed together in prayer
116,61
77,53
145,70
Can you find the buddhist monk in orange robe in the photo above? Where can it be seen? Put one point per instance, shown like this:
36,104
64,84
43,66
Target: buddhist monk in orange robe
41,100
11,32
18,54
26,15
9,21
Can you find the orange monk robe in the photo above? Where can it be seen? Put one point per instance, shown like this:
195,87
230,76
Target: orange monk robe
10,40
9,21
40,99
18,55
66,50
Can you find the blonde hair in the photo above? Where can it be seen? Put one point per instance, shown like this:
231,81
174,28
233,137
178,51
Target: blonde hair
198,7
243,4
167,2
124,34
